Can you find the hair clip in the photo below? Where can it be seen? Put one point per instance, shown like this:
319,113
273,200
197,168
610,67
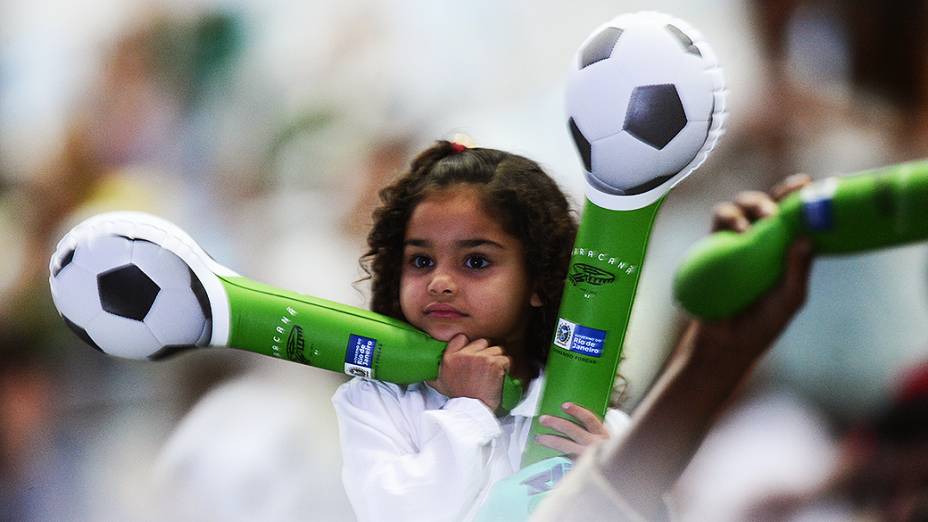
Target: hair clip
457,147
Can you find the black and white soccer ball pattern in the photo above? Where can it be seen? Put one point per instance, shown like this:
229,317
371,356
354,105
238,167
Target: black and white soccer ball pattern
128,297
645,104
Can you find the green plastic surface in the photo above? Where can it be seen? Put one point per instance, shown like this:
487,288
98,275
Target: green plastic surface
726,272
598,295
317,332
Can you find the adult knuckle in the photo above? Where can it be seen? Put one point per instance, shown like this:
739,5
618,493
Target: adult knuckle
724,209
751,197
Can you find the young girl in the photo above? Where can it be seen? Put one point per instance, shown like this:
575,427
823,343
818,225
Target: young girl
471,246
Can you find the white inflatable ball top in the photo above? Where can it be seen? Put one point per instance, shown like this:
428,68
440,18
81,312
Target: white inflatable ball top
128,297
645,106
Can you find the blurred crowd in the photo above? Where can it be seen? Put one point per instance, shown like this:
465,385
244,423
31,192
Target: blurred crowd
265,129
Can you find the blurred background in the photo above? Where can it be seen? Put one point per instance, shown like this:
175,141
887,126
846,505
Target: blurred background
265,128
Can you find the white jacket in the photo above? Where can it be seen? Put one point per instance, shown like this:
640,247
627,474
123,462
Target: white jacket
410,453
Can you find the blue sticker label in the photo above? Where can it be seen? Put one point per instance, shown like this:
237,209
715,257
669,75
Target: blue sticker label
818,211
359,356
588,341
578,338
818,214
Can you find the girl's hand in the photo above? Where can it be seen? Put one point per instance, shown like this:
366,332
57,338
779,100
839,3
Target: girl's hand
472,369
576,438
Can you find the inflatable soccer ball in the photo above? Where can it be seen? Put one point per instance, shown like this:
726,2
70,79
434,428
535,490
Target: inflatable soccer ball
121,290
646,104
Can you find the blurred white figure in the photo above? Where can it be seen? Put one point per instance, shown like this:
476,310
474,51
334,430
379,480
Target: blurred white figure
260,447
769,442
264,445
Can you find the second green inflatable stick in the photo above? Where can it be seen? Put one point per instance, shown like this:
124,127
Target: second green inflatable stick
726,272
646,105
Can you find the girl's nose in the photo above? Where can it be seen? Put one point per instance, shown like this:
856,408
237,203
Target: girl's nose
442,284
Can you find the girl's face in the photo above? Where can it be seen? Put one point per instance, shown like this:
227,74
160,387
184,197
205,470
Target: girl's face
462,273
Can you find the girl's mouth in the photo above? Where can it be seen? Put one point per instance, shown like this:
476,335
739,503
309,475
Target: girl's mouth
443,311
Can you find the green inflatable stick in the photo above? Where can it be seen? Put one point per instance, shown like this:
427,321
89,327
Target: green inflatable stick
197,303
671,115
336,337
582,361
598,296
726,272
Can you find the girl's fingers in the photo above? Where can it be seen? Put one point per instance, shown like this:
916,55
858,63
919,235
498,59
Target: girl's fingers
560,444
457,343
574,439
476,346
567,428
504,362
588,419
496,353
493,350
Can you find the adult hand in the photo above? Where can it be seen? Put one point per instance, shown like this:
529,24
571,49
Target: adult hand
708,365
757,327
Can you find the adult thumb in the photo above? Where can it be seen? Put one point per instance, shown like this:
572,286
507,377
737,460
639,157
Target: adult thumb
798,267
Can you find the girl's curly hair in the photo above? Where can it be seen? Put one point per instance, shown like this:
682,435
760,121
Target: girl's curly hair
528,204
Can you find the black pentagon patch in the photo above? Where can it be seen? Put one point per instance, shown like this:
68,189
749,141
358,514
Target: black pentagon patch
197,286
648,185
655,114
600,47
685,40
65,261
170,351
127,292
583,145
82,334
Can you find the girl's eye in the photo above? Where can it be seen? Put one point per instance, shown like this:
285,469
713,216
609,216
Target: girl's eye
476,262
421,261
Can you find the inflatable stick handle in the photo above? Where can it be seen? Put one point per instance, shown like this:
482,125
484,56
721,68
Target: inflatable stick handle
136,286
726,272
332,336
